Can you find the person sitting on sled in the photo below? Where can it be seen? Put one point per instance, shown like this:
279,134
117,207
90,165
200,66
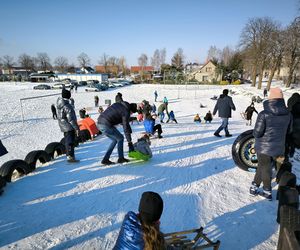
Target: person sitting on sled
143,146
197,118
141,230
208,117
150,127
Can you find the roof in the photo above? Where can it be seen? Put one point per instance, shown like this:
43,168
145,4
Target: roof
140,68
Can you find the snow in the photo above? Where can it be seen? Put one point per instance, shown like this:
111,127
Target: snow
81,206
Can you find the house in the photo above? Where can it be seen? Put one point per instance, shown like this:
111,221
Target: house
207,73
42,77
106,69
146,72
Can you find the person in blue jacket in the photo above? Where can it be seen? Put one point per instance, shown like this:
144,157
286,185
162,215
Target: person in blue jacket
150,127
141,230
270,131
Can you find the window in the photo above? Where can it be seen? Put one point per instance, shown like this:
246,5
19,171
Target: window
204,78
208,69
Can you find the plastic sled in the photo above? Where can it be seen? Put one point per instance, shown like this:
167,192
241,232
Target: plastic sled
138,156
180,240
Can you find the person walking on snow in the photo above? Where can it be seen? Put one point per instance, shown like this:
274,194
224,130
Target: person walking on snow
249,112
161,108
155,96
117,113
96,100
53,110
67,122
272,126
224,106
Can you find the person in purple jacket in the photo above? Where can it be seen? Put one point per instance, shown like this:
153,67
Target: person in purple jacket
140,231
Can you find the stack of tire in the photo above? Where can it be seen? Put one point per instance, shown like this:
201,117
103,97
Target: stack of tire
34,158
29,164
243,152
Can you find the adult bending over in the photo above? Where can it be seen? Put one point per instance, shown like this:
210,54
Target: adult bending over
117,113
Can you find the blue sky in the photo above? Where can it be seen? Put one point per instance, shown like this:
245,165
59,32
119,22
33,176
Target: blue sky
130,28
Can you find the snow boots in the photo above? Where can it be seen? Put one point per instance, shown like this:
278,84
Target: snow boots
254,189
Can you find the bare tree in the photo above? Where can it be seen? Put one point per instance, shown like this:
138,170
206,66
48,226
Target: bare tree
178,60
213,53
255,41
26,62
104,62
113,63
61,63
143,62
226,55
122,65
84,60
275,54
44,61
155,60
292,49
8,61
163,54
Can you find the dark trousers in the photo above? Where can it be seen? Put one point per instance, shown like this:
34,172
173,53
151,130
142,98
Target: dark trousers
54,115
70,142
264,171
157,128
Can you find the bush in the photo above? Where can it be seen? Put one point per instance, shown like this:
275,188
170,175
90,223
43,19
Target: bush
237,82
224,83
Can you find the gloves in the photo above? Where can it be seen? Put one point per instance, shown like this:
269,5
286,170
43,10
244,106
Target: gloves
130,146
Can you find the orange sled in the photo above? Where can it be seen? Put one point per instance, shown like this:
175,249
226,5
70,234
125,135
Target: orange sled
89,124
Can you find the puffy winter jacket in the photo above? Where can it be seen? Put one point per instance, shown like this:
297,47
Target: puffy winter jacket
66,115
224,105
162,107
131,235
117,113
294,107
142,146
271,127
149,125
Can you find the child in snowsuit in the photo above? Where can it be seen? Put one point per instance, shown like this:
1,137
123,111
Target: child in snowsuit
143,146
150,127
96,99
197,118
208,117
141,230
53,110
249,112
171,117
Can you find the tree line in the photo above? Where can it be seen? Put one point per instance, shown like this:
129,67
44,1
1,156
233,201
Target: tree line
264,46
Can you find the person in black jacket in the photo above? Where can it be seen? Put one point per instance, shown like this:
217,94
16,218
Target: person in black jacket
271,128
293,140
53,110
67,122
249,112
119,97
224,106
117,113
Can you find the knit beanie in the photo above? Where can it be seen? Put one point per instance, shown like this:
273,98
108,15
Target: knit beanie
151,207
225,92
275,93
65,93
133,107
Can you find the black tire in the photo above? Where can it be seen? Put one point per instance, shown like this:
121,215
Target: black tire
55,147
2,182
85,134
243,152
7,169
32,157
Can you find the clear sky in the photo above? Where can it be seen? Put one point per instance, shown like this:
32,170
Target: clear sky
130,27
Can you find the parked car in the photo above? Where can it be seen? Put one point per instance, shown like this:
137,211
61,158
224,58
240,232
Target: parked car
96,87
42,86
82,83
60,85
125,82
117,83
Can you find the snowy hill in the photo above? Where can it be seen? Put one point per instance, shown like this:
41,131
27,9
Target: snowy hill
81,206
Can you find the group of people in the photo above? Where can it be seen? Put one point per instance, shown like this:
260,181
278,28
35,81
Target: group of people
207,118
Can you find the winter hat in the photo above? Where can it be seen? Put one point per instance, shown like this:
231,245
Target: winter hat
65,93
275,93
225,92
151,207
133,107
